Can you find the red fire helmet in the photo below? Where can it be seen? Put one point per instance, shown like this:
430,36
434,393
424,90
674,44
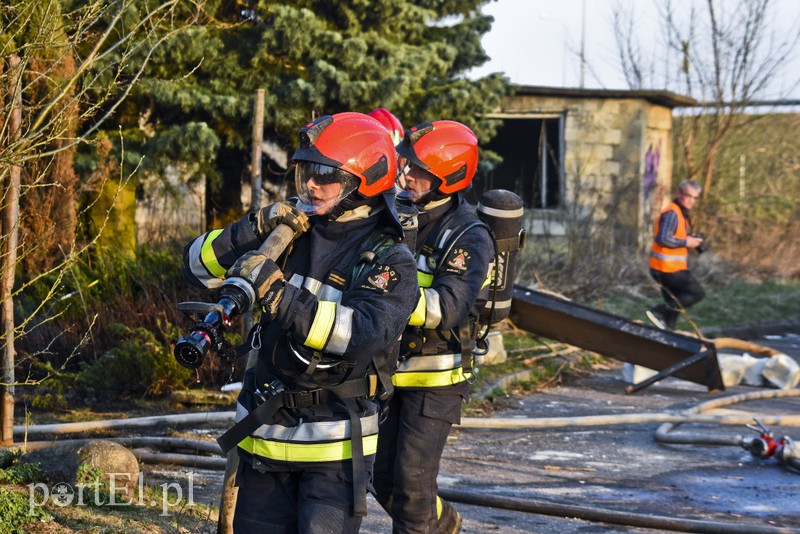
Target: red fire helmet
352,142
390,122
446,149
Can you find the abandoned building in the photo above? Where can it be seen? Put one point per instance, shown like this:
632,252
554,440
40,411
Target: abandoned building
581,157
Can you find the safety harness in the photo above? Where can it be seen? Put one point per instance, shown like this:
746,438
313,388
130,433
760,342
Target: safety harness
275,395
436,248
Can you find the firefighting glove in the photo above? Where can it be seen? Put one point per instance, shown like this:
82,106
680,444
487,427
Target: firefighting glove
266,219
265,278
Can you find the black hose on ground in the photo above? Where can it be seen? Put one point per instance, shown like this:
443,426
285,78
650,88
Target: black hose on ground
605,515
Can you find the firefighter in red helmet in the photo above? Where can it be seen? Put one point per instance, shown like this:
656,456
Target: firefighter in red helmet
437,163
333,308
390,122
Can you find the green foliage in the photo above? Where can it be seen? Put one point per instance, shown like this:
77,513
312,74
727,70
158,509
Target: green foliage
15,508
139,364
111,327
754,199
729,302
89,475
49,401
193,108
16,512
112,214
21,474
740,303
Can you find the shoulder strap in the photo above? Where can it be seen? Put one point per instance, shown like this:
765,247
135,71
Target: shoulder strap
375,249
437,247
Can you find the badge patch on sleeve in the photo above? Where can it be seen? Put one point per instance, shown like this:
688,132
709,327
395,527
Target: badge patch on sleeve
382,278
458,261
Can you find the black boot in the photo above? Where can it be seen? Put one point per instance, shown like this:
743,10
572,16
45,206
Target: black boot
449,519
658,316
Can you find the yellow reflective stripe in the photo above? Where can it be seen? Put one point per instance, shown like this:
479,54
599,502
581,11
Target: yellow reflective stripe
424,279
321,327
439,507
429,379
208,257
490,273
489,277
418,316
307,452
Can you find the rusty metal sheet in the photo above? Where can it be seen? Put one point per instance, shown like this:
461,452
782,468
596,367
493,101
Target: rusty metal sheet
617,337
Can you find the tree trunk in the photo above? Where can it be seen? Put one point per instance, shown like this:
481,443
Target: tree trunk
10,225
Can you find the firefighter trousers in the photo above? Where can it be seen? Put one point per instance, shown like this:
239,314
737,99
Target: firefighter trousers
308,501
410,445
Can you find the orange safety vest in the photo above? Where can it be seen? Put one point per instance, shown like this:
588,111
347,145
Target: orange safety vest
670,260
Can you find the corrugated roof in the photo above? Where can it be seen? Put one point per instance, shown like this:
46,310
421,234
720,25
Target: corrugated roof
662,98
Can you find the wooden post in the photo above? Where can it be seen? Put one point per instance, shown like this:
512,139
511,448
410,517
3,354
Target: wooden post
255,155
255,176
227,504
10,229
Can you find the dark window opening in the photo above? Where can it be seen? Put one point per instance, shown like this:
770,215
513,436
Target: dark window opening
532,154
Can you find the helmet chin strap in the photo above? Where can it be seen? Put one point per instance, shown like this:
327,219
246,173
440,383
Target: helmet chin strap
349,203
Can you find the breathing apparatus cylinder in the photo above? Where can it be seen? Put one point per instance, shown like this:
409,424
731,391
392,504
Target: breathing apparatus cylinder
503,212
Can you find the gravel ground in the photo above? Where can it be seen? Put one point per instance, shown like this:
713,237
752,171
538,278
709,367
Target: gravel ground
619,468
571,474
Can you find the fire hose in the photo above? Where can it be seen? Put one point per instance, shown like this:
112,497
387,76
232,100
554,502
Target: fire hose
767,444
764,446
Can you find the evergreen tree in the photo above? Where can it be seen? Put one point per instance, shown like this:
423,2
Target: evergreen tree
312,57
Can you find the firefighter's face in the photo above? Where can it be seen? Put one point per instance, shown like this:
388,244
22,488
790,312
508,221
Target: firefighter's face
320,188
415,181
323,196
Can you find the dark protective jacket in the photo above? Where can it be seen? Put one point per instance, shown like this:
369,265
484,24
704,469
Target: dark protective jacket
334,309
454,251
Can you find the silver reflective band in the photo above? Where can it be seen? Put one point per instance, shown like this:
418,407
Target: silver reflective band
317,288
312,285
197,267
434,362
312,432
422,263
342,331
500,214
323,363
498,304
433,309
296,280
669,257
330,294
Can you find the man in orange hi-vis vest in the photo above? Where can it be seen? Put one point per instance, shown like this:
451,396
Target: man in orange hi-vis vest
668,258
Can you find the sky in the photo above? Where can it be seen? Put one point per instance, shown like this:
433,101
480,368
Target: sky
538,42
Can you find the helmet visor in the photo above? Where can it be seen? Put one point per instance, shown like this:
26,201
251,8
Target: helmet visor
413,182
320,188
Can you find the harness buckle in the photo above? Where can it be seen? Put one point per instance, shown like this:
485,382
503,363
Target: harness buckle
304,399
471,377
